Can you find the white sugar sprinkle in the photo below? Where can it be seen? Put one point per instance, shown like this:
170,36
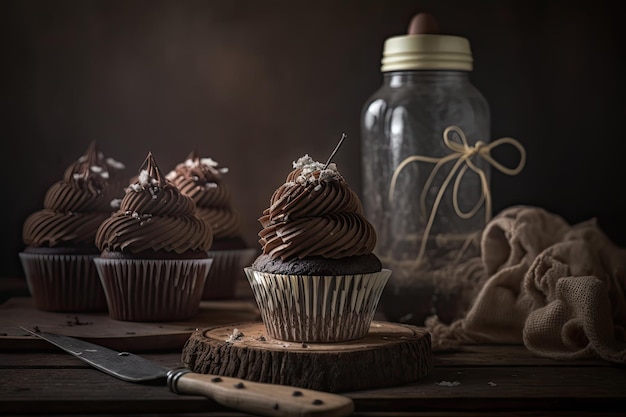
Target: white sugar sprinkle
114,164
209,162
143,177
236,335
448,383
308,166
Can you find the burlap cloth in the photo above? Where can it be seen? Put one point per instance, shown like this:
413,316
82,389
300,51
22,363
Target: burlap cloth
555,287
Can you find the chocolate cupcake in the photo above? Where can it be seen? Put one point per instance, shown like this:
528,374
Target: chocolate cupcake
60,238
153,263
201,179
317,279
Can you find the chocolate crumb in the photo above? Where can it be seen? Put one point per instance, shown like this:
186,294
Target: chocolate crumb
216,379
304,345
297,394
261,338
239,385
318,402
76,322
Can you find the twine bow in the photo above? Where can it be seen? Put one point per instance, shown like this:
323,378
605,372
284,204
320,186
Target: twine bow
461,152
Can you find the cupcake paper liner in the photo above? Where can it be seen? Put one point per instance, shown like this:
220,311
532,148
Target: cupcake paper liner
300,308
63,283
153,290
226,270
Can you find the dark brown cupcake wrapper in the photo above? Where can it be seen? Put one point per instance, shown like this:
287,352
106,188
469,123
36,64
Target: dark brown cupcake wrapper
226,270
63,283
153,290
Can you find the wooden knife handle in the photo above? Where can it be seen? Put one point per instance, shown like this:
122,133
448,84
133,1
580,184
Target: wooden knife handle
259,398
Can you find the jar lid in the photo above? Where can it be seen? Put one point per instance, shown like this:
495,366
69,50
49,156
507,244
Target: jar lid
423,48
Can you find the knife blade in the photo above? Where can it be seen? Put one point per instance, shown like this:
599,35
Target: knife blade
248,396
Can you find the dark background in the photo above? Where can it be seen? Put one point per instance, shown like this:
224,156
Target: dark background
257,84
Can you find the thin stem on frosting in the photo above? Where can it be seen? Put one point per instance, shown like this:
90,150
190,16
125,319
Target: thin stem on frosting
343,136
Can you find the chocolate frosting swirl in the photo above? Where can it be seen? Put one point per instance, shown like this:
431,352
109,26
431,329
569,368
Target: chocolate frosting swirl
154,216
75,206
201,180
315,213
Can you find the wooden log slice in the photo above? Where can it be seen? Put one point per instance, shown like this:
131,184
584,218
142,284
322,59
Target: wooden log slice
390,354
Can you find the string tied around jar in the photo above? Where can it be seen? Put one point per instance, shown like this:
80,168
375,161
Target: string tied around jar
462,152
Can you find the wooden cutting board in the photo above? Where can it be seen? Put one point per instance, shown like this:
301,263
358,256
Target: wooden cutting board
390,354
119,335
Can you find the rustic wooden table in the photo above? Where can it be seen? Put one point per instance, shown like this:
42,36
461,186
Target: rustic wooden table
474,381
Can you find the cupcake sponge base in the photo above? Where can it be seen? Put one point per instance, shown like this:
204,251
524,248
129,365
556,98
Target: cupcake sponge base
319,265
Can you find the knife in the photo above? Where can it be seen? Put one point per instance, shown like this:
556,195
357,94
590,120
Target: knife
252,397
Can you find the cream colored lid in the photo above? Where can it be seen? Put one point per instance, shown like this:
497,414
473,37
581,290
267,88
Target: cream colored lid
426,52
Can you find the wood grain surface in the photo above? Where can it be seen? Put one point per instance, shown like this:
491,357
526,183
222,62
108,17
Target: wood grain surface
120,335
390,354
521,385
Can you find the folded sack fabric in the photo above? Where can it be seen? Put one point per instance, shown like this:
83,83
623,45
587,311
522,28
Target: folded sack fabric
557,288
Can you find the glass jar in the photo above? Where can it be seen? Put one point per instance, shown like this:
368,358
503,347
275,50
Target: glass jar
423,181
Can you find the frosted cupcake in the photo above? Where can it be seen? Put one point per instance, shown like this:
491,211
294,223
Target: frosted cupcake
153,263
317,279
202,180
60,238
